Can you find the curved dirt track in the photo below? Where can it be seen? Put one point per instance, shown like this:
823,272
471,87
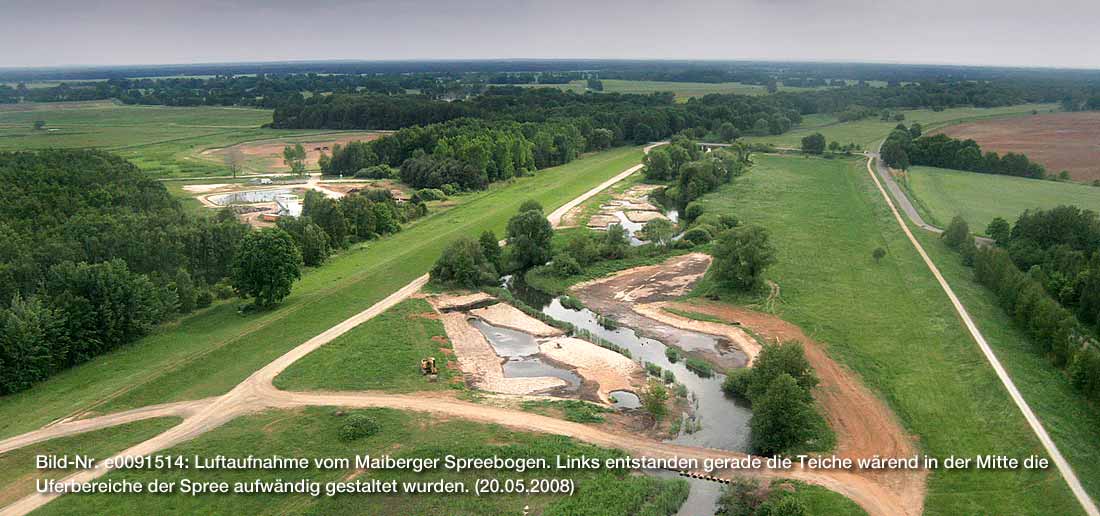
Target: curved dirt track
256,393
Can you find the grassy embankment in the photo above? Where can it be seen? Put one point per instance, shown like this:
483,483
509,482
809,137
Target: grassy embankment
891,324
869,131
17,467
313,432
941,194
208,353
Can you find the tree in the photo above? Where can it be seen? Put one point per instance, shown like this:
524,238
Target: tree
658,165
530,205
878,254
895,155
327,214
728,132
742,255
781,418
956,233
774,359
654,397
39,125
311,240
266,266
463,264
813,144
659,231
295,158
999,230
33,343
615,242
529,235
490,247
234,160
185,291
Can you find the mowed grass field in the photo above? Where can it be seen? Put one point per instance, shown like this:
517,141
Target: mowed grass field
942,194
383,353
164,141
17,467
314,433
207,353
890,323
868,132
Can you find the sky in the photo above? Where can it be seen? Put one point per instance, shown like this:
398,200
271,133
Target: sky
1055,33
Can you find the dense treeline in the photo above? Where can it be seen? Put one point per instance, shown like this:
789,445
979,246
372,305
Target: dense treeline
95,255
1045,272
691,171
517,131
905,147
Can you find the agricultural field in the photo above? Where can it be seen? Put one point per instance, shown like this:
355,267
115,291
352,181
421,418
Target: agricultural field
164,141
891,324
867,133
1058,141
266,156
207,353
315,432
941,194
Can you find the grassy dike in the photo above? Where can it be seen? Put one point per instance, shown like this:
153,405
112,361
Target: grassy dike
313,432
209,352
891,324
17,467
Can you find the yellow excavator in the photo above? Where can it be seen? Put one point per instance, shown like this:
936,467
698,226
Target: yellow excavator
427,366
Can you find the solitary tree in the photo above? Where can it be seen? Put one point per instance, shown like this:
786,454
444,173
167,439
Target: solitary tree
295,158
490,247
956,233
653,399
234,160
659,231
813,144
728,132
39,125
266,266
742,255
878,254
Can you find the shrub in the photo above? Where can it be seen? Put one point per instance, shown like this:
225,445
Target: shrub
653,369
699,366
564,265
693,211
463,264
736,383
204,298
781,418
571,303
697,236
673,354
668,376
956,233
450,189
358,426
428,194
654,397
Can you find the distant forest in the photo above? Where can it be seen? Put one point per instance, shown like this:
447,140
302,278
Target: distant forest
272,85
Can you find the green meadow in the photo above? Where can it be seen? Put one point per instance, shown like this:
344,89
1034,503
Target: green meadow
890,323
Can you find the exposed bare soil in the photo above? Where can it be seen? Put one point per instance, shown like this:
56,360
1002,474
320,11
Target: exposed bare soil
266,156
507,316
610,370
1059,141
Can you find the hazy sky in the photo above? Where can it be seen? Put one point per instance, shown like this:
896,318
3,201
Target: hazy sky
993,32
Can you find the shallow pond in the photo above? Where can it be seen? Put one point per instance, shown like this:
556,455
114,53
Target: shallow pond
521,350
249,197
724,421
